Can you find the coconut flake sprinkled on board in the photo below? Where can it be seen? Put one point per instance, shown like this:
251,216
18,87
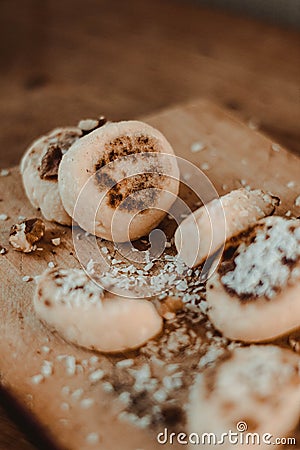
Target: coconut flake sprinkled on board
275,147
291,184
4,172
26,278
197,147
92,438
205,166
253,124
37,379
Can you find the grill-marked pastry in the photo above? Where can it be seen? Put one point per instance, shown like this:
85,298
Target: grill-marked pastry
119,181
255,293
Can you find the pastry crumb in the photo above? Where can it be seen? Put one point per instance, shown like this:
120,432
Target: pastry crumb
27,278
56,241
3,250
24,235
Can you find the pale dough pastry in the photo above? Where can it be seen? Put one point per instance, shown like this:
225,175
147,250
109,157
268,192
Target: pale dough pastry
119,181
69,302
39,168
204,231
255,293
252,390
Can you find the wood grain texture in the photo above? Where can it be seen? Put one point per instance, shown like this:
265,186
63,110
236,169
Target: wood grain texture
234,153
62,61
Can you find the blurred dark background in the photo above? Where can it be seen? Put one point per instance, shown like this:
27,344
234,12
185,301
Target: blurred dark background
282,12
66,59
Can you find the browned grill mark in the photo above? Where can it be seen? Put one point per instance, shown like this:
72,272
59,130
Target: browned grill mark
124,146
50,162
138,192
53,156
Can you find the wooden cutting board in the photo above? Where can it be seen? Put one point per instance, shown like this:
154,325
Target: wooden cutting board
234,155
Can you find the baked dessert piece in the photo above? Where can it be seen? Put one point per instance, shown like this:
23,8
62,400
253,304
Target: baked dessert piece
252,392
86,314
119,181
39,168
255,293
205,231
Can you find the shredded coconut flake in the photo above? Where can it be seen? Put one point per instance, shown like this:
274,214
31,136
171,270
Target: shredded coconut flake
275,147
37,379
26,278
261,267
87,403
197,147
76,288
96,376
291,184
92,438
70,365
205,166
47,369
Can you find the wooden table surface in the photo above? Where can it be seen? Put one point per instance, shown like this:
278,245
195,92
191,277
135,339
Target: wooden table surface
63,60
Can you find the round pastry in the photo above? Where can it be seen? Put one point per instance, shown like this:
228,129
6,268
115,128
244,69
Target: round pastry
83,313
39,168
119,181
255,293
204,231
247,399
